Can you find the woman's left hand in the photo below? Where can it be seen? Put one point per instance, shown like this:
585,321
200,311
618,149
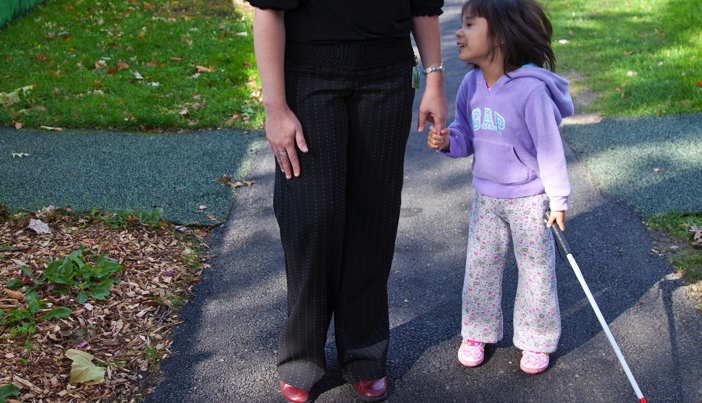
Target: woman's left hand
433,107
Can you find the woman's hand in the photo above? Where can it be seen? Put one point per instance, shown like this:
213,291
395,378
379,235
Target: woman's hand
285,137
438,139
433,107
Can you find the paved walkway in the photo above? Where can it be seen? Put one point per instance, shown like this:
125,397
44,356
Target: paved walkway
225,350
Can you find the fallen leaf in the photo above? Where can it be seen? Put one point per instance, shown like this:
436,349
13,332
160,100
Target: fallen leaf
38,226
232,119
203,69
100,64
699,84
137,75
14,294
19,262
225,180
13,97
18,125
51,128
9,99
82,368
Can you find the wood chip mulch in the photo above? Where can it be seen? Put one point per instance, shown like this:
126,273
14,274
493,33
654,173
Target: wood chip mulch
127,332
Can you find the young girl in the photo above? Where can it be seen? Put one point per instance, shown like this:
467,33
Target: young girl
508,109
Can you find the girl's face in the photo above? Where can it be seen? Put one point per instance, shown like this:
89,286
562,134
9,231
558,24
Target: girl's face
473,40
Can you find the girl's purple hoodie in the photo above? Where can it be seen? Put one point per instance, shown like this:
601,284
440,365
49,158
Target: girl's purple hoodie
512,128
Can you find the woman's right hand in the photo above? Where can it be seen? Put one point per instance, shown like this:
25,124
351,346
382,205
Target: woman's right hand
283,129
285,137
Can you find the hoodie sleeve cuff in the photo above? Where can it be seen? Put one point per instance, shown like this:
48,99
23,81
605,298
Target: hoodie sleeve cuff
453,149
559,203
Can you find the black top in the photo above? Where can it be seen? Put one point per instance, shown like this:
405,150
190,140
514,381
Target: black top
331,21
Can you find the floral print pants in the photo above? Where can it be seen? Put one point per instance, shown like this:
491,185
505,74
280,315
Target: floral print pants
493,223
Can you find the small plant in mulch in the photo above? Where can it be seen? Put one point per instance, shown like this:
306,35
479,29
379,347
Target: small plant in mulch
678,237
87,301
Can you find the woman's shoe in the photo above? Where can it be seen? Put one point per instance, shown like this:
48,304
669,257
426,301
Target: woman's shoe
293,394
471,353
372,390
534,362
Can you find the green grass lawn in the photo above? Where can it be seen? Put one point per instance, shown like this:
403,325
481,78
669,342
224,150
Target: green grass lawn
643,57
130,65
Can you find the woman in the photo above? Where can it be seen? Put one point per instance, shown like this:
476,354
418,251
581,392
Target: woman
338,90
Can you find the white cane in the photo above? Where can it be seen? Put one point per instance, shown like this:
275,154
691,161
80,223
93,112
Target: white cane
560,239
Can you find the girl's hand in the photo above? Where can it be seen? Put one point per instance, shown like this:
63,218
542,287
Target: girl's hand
557,217
438,139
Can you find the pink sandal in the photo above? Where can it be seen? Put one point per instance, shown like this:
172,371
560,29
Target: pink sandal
471,353
534,362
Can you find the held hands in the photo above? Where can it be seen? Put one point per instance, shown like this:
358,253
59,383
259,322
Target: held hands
438,139
558,217
285,137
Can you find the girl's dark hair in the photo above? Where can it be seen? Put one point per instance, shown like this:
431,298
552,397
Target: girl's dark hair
520,28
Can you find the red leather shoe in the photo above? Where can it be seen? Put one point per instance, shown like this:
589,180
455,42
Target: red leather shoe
372,390
293,394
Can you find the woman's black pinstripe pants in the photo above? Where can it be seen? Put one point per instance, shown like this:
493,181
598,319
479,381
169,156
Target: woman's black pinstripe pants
338,219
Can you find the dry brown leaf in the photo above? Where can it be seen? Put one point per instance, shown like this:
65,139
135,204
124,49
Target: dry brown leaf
14,294
203,69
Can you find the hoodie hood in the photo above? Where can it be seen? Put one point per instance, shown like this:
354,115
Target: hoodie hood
556,85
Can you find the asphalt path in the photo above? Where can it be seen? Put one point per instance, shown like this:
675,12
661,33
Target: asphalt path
225,349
